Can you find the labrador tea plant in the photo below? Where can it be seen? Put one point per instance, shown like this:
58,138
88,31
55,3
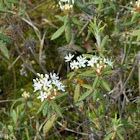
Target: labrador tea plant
70,70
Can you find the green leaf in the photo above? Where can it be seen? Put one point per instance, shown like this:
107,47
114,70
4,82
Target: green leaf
8,4
78,48
12,1
60,18
88,73
21,116
27,134
76,93
105,39
57,109
127,24
95,82
77,22
42,106
108,137
120,136
96,95
5,38
45,109
105,85
134,17
48,125
86,86
71,75
107,71
1,6
85,95
4,49
61,95
58,32
49,112
66,20
68,32
29,104
82,7
14,116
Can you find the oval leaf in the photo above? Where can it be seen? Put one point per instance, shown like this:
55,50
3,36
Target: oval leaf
105,85
85,95
68,32
76,93
4,49
57,109
48,125
58,32
41,107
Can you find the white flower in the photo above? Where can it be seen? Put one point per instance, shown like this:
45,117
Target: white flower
42,96
61,6
68,57
92,61
98,66
46,76
107,61
56,83
37,85
74,65
40,75
54,76
47,89
47,83
66,4
61,87
26,95
81,61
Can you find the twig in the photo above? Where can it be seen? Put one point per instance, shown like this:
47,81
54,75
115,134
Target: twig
33,26
14,62
4,101
138,57
39,5
70,130
133,68
83,28
41,46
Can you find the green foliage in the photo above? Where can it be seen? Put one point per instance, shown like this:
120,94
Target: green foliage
4,49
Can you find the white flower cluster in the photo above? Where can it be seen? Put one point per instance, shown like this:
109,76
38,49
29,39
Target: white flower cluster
26,95
48,85
82,62
66,4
